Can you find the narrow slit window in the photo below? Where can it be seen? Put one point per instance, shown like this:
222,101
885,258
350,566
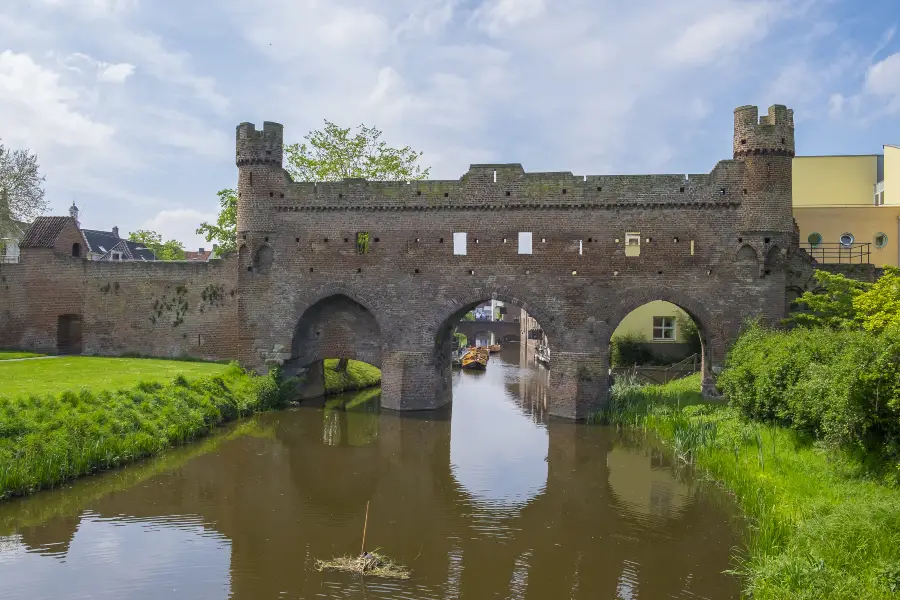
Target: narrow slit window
692,247
580,247
459,243
524,242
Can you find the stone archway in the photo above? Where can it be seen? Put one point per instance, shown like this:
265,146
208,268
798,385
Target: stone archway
712,332
336,326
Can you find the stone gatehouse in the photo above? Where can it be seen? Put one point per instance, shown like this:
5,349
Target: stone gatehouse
380,271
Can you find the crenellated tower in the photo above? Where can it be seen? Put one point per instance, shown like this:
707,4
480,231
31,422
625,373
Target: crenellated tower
261,179
766,146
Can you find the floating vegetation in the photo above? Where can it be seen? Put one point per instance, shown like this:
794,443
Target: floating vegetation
369,563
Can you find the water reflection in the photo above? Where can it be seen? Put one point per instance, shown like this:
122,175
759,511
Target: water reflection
486,499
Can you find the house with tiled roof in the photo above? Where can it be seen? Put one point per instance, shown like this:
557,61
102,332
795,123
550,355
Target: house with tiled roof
201,255
93,244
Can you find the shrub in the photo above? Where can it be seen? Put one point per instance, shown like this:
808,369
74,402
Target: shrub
628,349
839,386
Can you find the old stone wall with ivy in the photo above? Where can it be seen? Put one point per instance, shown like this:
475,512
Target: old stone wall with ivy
158,309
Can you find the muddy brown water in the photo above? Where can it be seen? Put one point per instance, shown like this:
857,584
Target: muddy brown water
486,499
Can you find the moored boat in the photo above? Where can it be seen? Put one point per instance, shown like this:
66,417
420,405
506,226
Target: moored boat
494,348
542,355
476,359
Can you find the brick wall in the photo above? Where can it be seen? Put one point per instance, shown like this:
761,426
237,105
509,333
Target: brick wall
719,245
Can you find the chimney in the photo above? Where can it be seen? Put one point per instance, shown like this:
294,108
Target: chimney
116,232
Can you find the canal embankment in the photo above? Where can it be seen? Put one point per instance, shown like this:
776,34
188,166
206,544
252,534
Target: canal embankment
72,416
808,442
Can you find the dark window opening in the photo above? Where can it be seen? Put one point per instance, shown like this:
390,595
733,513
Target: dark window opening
564,190
767,240
446,194
76,249
681,189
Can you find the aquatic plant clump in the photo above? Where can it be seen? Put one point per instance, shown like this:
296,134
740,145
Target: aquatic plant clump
371,563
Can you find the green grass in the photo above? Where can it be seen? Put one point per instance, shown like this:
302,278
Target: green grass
48,437
11,354
73,373
817,526
359,375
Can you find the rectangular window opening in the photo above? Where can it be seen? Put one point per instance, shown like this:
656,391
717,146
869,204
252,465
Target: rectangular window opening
664,329
692,247
580,247
459,243
633,243
524,242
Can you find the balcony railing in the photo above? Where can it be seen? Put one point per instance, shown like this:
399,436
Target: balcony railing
835,252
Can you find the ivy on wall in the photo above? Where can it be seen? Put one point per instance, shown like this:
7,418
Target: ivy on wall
362,242
177,306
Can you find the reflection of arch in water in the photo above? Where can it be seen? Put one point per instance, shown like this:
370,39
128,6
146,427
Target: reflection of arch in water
499,467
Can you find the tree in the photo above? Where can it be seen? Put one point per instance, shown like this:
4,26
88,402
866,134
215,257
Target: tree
170,250
329,154
878,308
843,303
224,231
21,179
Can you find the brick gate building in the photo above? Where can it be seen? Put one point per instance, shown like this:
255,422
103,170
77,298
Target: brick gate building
381,271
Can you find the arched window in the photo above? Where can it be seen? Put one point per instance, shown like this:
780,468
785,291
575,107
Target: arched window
814,239
881,240
76,249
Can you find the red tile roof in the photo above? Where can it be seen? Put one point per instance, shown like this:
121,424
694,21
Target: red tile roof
43,232
198,256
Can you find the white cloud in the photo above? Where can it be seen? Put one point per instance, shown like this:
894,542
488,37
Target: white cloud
836,105
496,16
40,111
150,53
91,8
116,73
180,224
719,32
883,78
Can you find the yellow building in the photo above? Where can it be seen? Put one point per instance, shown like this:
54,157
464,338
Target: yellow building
848,207
848,210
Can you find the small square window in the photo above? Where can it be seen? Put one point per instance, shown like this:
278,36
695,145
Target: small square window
633,244
459,243
524,242
664,329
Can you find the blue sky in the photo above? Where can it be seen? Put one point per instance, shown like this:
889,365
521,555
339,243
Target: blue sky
131,104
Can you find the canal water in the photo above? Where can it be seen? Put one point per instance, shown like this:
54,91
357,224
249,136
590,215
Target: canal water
487,499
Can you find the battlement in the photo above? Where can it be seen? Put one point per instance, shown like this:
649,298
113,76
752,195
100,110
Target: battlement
771,134
264,147
509,186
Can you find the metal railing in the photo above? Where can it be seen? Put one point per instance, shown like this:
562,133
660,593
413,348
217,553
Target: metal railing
835,252
9,260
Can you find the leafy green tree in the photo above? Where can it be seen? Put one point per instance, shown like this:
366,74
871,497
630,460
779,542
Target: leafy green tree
878,308
224,231
329,154
832,307
169,250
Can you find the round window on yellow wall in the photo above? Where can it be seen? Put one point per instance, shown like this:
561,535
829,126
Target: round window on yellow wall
847,239
814,239
881,240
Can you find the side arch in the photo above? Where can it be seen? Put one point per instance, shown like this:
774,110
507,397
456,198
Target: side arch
713,336
335,321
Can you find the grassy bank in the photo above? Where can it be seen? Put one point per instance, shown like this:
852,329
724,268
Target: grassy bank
358,376
13,354
73,373
817,527
117,411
